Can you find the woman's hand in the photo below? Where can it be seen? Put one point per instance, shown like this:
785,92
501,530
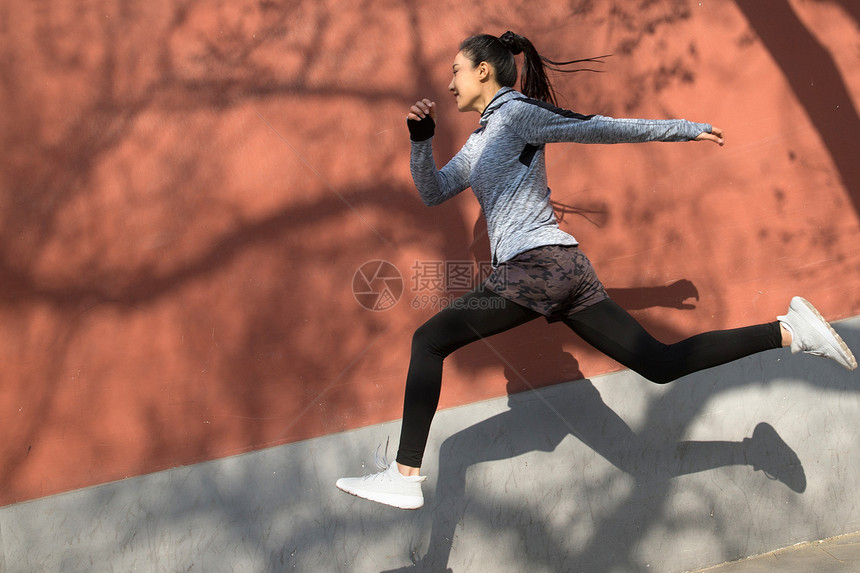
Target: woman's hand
422,109
716,136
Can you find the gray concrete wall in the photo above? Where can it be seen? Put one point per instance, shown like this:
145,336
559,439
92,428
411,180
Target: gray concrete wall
605,475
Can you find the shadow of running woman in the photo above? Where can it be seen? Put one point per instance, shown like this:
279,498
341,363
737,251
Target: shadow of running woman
577,409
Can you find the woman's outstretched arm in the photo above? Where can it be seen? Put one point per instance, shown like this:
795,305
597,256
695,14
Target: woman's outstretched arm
538,122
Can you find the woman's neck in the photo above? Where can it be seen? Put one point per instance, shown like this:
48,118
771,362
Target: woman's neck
488,94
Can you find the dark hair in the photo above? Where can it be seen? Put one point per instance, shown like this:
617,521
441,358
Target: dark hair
499,53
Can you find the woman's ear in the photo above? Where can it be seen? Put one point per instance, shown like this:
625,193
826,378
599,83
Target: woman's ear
484,71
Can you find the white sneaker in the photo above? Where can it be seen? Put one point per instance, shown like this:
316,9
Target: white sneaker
388,487
811,334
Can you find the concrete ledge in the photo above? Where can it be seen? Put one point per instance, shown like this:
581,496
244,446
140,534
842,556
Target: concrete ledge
613,474
835,555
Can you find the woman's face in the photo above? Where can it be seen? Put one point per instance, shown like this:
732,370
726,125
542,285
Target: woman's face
468,83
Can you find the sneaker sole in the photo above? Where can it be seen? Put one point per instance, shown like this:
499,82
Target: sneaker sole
849,361
393,500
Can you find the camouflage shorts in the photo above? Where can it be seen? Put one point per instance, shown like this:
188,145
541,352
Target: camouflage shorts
556,281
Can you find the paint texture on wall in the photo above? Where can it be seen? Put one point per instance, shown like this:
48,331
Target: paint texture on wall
211,242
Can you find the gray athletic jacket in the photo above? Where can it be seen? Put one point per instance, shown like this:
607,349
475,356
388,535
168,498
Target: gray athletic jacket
504,164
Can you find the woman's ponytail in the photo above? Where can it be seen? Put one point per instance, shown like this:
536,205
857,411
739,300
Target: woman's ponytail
500,52
534,82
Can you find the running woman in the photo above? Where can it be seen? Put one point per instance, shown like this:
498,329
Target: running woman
539,269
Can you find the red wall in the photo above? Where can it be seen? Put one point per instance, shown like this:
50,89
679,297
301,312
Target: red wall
188,190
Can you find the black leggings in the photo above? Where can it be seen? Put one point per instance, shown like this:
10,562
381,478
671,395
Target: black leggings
605,326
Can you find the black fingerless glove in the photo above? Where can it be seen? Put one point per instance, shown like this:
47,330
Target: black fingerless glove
421,130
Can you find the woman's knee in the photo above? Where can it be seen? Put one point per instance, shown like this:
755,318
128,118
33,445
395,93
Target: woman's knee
657,372
427,339
659,376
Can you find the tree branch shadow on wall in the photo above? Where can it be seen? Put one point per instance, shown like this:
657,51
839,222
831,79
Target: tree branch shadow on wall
815,80
63,171
109,99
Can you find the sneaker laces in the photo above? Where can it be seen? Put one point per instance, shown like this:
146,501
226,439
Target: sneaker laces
382,463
